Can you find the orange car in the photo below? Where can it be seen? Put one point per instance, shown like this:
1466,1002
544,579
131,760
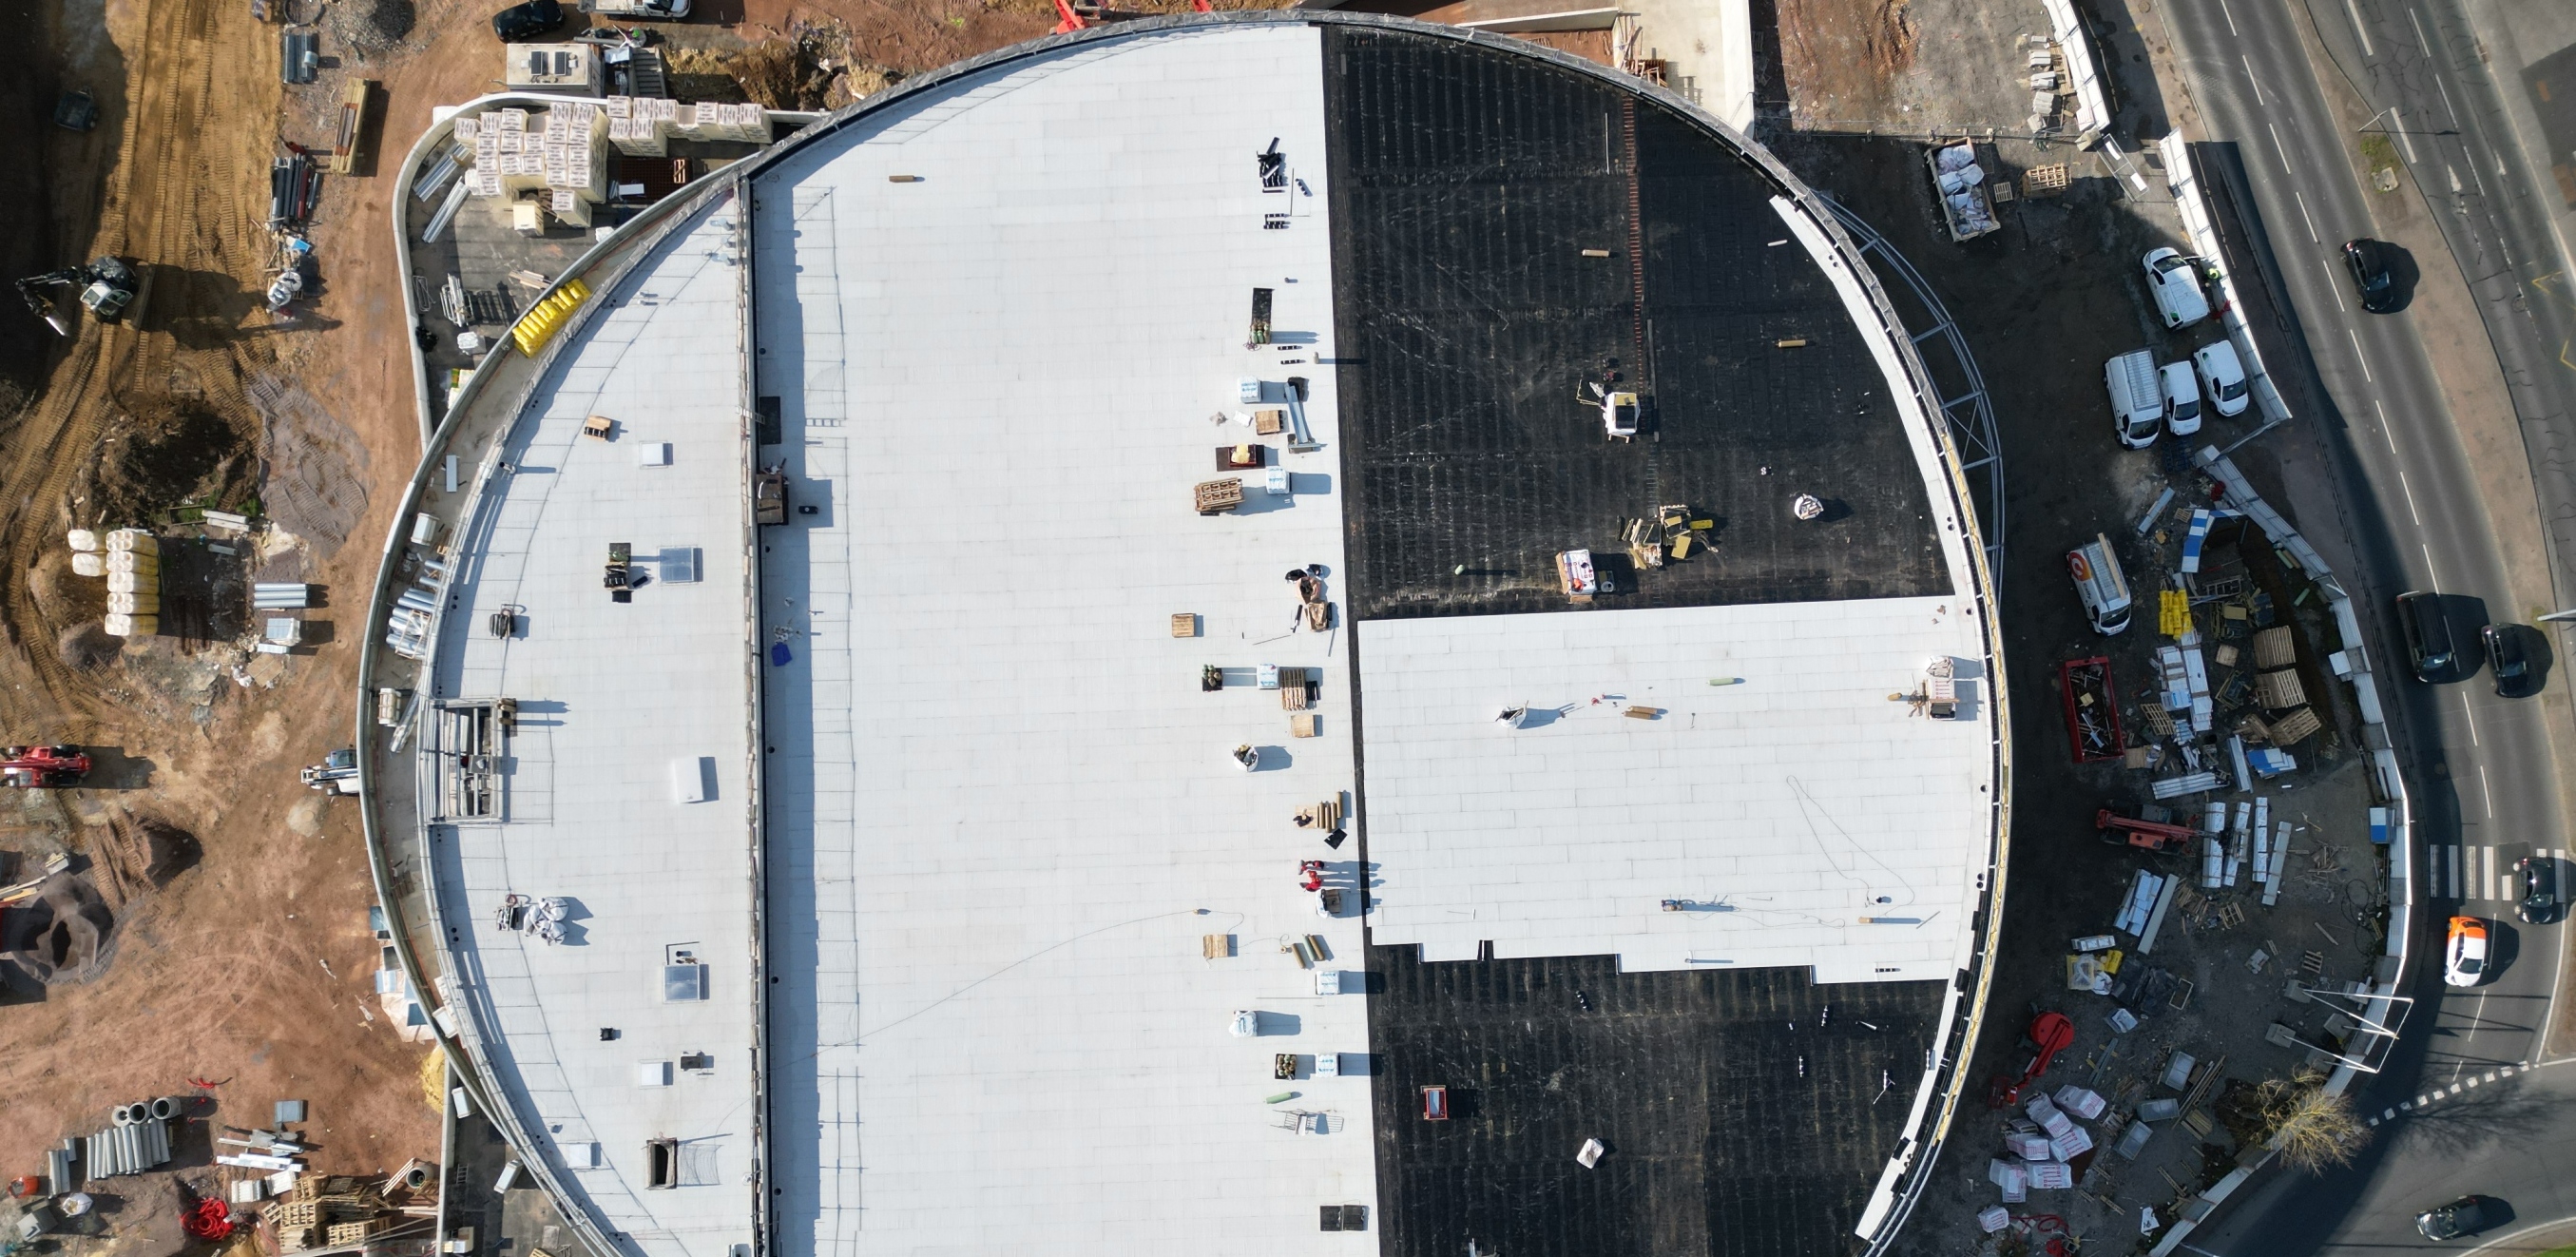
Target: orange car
2464,961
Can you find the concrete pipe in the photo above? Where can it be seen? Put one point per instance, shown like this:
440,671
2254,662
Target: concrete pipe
121,1115
167,1107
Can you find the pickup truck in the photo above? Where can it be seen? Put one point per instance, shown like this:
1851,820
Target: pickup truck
641,10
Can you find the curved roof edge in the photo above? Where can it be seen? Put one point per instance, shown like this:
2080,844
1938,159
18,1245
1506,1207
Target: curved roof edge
608,261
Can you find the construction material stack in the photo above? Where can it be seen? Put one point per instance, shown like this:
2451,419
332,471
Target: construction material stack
132,568
640,126
714,120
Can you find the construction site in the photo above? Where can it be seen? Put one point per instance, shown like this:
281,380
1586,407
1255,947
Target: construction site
378,877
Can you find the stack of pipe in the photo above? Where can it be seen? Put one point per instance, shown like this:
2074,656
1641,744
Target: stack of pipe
136,1140
133,583
280,597
86,559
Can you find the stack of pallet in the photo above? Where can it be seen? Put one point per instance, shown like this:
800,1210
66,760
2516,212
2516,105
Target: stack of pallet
330,1210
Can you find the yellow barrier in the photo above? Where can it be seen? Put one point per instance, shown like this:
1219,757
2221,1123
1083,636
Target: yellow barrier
2173,612
540,324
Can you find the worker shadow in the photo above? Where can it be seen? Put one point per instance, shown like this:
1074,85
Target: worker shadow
1351,875
110,768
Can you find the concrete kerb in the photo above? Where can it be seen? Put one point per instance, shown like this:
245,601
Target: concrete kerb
2380,999
2092,107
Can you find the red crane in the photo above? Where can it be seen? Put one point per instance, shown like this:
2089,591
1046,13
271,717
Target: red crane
42,767
1068,21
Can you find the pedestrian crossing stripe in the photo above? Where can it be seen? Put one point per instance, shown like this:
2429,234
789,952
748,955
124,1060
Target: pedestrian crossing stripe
2474,873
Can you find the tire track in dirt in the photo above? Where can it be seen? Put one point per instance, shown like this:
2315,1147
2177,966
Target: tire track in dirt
167,213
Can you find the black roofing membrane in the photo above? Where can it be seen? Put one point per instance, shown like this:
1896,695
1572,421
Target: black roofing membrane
1466,184
1745,1111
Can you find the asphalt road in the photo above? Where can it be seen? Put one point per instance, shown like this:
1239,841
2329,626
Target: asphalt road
2478,767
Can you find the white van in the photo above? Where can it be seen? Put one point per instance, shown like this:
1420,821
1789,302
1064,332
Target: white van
2137,398
2099,584
2182,398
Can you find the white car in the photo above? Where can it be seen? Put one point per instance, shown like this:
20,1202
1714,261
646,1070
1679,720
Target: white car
2182,398
2224,376
2176,281
2464,960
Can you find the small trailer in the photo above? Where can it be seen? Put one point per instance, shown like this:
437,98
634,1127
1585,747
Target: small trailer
2092,709
1959,184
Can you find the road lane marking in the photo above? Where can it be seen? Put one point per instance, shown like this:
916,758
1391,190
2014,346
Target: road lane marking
2230,16
2472,714
2420,40
2446,104
2410,499
2312,234
2375,403
2255,83
2430,570
2357,28
2490,791
2366,377
2456,883
2280,148
2335,286
2491,1075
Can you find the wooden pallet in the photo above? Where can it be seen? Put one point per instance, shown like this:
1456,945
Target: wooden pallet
1215,497
1326,815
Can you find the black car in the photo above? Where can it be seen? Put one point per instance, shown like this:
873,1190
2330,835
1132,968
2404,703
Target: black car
521,22
2539,904
2369,262
2465,1216
2509,661
2427,632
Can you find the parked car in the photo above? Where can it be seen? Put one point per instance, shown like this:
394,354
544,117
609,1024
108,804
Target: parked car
522,22
2540,904
2224,375
2428,634
2464,956
2466,1216
2137,398
2100,585
2182,398
2509,662
2180,300
2368,260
